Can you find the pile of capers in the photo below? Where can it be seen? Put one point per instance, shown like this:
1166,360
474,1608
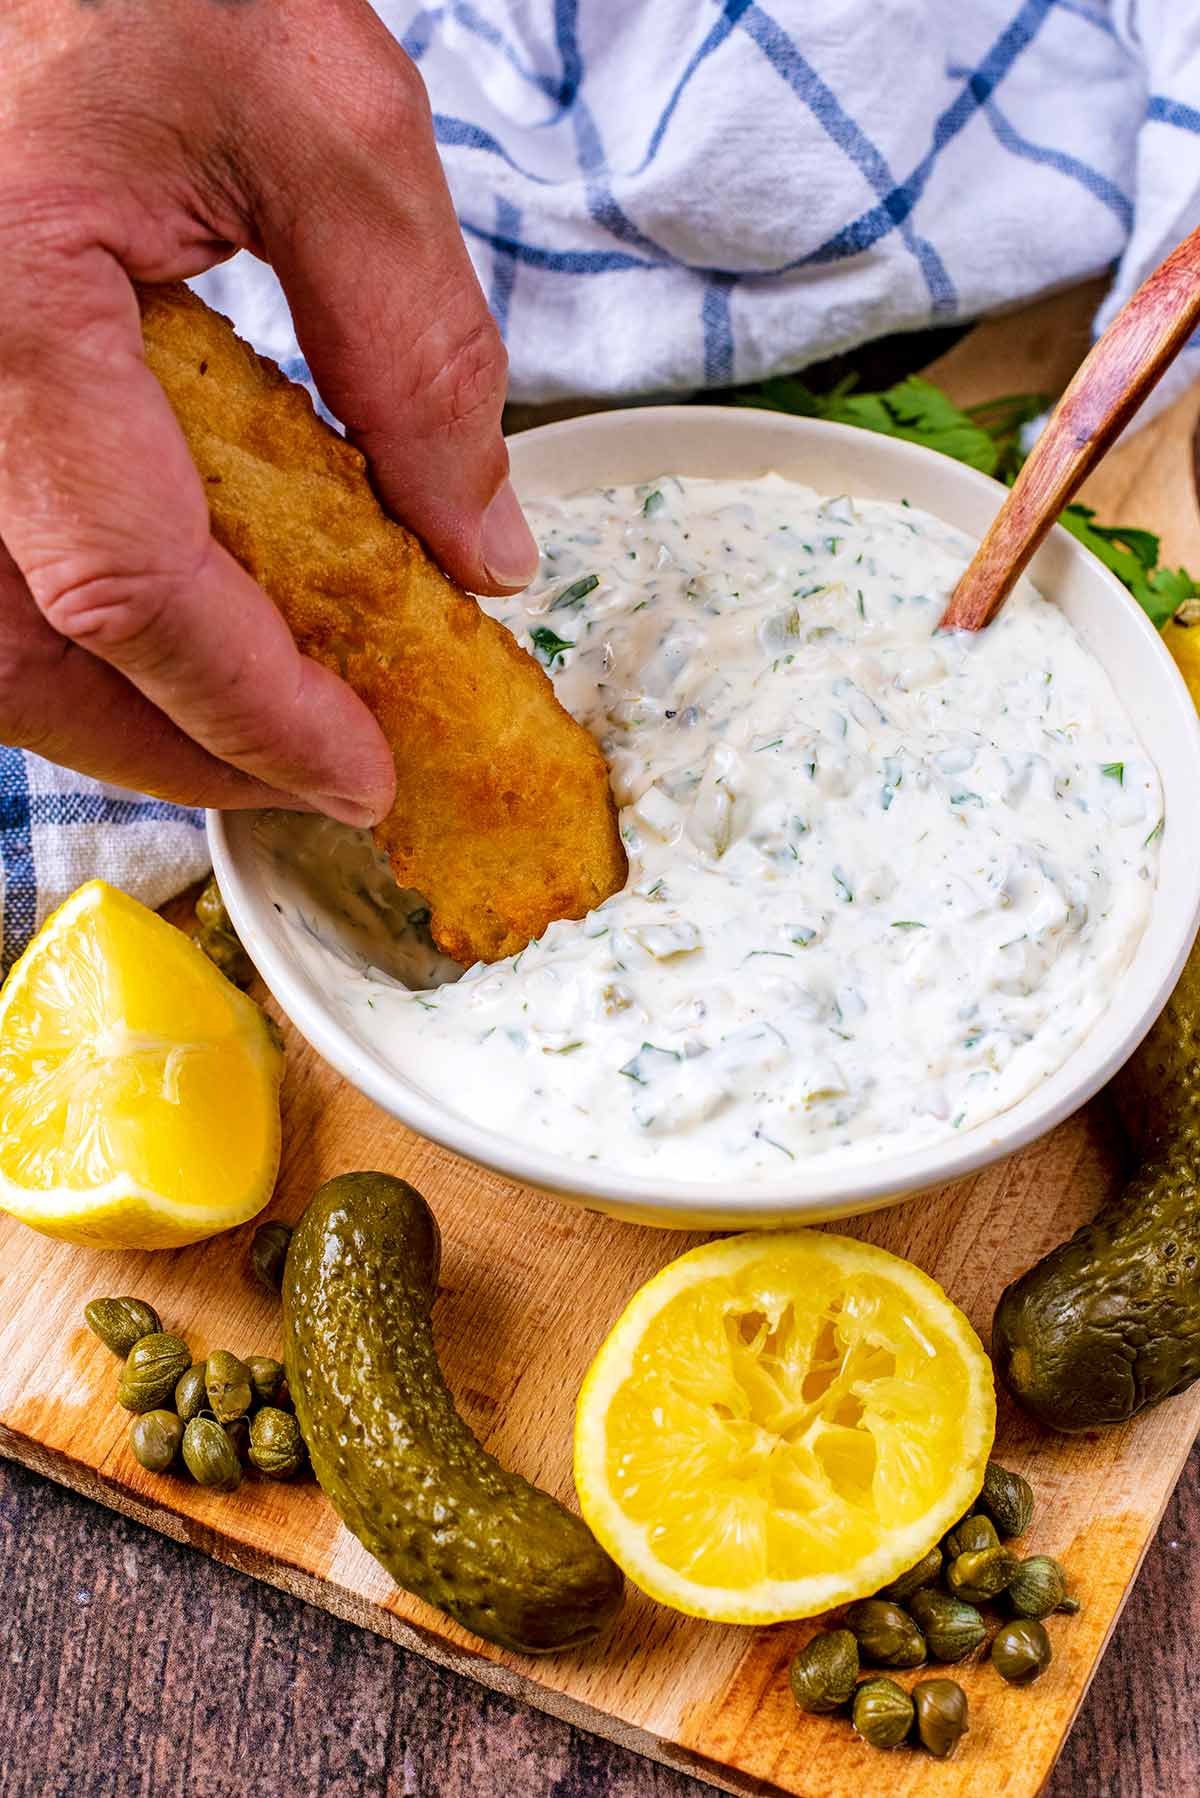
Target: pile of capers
931,1613
208,1415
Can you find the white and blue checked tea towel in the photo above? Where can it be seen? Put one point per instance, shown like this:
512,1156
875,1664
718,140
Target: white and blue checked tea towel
672,194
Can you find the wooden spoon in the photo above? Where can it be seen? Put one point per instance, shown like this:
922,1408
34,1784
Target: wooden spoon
1111,383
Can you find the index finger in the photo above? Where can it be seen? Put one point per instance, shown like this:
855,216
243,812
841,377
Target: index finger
104,514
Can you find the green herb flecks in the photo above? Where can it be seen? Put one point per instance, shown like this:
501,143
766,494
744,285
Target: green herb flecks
761,1136
574,595
908,924
988,437
550,647
1114,771
640,1067
654,502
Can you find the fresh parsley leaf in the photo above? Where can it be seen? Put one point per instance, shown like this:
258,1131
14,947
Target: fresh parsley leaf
987,437
548,645
1162,593
1005,420
914,409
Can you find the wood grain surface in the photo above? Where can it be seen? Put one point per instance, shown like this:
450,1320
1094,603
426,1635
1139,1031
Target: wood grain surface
174,1675
519,1272
131,1667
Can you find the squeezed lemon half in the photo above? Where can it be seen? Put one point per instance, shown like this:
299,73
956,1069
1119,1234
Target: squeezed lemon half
139,1089
779,1423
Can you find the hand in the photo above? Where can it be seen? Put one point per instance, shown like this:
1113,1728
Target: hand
148,143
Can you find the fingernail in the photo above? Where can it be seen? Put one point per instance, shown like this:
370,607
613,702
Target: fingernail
346,811
510,554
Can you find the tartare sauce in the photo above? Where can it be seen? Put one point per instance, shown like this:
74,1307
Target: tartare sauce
881,881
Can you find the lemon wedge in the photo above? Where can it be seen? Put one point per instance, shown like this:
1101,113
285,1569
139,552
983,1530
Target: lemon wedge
779,1423
139,1089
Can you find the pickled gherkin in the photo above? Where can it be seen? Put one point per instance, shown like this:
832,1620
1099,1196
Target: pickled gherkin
1109,1322
396,1460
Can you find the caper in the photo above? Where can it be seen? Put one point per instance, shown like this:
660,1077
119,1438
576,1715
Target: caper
238,1432
266,1378
277,1449
155,1438
941,1707
190,1396
1039,1588
883,1712
886,1635
1007,1498
971,1536
218,939
210,1456
983,1574
119,1323
152,1371
952,1628
924,1573
210,907
823,1673
1021,1652
268,1252
227,1383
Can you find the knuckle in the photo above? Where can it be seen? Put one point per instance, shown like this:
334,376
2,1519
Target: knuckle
44,219
391,98
116,616
465,378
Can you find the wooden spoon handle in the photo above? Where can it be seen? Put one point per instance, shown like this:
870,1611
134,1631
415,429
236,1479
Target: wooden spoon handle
1111,383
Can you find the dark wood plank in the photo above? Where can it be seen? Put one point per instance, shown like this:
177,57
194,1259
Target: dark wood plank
131,1667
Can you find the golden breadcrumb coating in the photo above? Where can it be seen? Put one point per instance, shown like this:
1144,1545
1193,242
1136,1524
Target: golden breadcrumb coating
503,819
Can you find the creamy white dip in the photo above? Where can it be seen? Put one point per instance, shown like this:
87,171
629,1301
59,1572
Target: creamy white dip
881,881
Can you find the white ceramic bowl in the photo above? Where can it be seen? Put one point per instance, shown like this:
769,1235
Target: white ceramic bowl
621,447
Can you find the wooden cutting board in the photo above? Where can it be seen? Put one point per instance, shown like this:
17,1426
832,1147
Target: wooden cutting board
529,1289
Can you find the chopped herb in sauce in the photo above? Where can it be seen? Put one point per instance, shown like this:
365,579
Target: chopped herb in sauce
549,645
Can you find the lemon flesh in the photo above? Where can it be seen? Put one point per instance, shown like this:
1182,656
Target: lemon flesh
139,1089
779,1423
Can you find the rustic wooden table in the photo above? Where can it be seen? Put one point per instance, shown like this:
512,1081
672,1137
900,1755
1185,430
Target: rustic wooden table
131,1667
